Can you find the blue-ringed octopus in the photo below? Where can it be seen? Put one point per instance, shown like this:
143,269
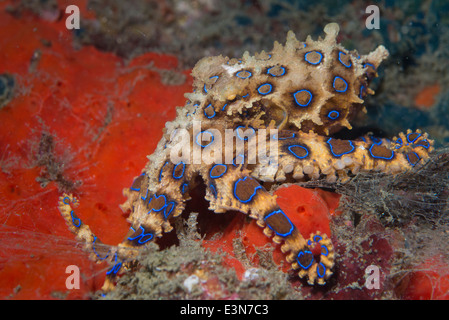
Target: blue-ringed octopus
299,95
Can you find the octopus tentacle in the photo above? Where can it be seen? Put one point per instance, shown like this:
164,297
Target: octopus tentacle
308,156
250,197
98,252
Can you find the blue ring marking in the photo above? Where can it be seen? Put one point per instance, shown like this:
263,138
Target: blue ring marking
155,196
321,57
214,191
183,187
220,175
273,75
167,214
263,85
377,157
369,64
362,89
209,106
308,102
291,224
320,275
116,267
160,172
75,221
335,115
135,189
146,196
252,195
196,105
222,109
317,237
297,145
339,155
376,140
301,253
424,146
245,138
399,141
276,136
63,200
346,84
234,162
245,95
182,173
205,131
418,135
242,77
95,251
408,158
141,236
339,59
205,90
327,250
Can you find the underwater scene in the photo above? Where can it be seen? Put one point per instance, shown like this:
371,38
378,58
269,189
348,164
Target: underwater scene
224,150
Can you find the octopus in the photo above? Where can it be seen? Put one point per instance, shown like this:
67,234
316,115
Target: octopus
294,98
